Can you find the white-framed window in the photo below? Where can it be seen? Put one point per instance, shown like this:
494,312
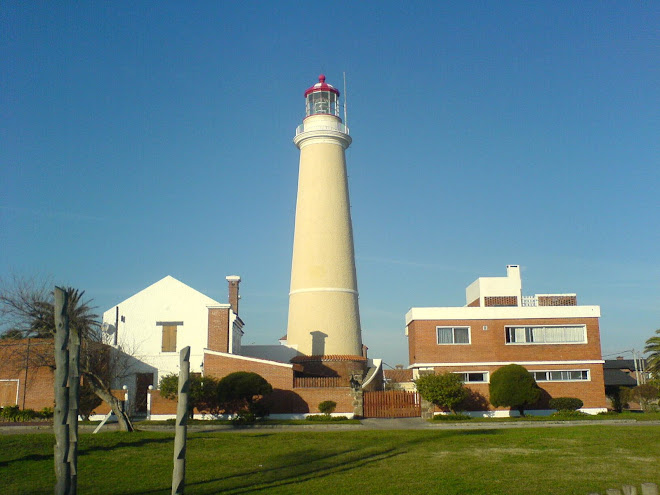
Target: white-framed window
453,335
548,334
473,376
561,375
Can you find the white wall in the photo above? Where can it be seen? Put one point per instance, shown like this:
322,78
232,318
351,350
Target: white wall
511,285
168,300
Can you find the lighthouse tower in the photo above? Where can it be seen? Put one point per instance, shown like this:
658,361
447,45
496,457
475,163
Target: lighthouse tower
324,318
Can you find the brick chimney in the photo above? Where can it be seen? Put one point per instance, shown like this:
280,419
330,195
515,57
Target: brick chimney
234,281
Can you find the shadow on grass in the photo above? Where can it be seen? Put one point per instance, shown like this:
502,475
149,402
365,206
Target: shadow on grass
310,464
85,450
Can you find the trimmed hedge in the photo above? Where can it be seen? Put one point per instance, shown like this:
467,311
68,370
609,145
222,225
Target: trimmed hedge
565,403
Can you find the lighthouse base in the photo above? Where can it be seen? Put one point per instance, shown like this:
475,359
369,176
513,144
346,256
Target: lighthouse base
343,367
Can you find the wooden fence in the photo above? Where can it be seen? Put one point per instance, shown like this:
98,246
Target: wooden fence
319,381
392,404
647,489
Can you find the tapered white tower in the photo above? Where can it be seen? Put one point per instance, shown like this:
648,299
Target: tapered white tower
324,318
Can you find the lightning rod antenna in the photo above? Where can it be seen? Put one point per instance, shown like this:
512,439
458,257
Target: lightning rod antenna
345,114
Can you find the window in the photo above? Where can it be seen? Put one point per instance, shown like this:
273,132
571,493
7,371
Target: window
569,334
453,335
169,334
561,375
473,376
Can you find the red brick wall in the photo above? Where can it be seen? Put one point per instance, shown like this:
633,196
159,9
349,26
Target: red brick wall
39,392
557,300
592,392
490,345
218,329
285,398
501,301
341,366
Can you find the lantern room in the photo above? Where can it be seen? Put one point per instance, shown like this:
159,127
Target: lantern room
322,99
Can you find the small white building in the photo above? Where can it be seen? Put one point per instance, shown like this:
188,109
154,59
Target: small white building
153,325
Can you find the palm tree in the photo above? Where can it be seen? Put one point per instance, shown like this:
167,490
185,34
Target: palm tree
653,348
28,310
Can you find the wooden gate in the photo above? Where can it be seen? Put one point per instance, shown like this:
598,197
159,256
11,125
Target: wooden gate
392,404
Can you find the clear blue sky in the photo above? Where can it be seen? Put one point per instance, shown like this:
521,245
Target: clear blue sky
141,139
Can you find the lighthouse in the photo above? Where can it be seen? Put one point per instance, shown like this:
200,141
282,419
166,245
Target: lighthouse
324,317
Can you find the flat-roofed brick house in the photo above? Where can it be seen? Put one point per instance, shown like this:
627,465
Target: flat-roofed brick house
549,334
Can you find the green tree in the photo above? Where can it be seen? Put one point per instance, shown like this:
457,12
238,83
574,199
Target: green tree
513,386
653,349
203,393
445,390
241,391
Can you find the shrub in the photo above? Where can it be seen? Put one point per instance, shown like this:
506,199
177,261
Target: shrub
15,414
325,418
202,395
566,403
45,413
327,407
567,413
445,390
513,386
242,391
451,417
244,417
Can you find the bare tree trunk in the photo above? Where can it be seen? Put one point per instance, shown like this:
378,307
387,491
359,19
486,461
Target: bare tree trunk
105,394
74,394
60,415
179,471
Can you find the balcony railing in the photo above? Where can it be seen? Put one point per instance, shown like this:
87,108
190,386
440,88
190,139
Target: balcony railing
339,127
530,301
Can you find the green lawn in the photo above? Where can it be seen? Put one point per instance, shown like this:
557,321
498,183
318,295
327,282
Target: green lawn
567,460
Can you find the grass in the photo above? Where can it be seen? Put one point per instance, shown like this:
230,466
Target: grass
627,415
570,460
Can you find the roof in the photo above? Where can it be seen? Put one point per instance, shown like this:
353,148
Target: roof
613,377
399,375
623,364
321,86
501,312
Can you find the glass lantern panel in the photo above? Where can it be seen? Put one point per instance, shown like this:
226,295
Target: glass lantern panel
322,102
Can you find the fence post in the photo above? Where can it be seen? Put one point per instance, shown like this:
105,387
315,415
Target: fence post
179,471
61,413
74,395
149,389
649,489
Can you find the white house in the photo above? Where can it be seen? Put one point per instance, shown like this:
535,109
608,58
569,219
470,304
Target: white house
153,325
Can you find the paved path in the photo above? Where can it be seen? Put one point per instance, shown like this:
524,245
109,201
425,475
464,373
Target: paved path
365,424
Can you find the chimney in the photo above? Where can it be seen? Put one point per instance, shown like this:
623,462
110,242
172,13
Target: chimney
233,280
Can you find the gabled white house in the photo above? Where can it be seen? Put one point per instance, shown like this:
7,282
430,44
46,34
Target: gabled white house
157,322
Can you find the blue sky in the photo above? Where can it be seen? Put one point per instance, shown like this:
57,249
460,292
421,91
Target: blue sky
141,139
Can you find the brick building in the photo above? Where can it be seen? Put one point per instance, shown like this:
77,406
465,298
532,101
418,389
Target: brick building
549,334
26,373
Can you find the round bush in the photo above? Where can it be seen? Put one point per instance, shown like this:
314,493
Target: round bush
566,403
327,406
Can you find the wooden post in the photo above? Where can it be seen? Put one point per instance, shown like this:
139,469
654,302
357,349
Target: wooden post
179,471
74,391
60,415
649,489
